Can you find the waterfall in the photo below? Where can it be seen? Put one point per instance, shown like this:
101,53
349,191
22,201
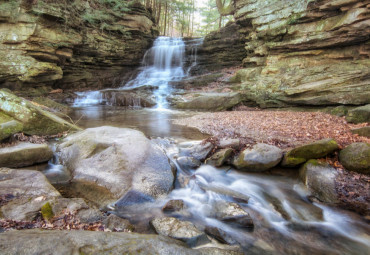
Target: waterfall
162,63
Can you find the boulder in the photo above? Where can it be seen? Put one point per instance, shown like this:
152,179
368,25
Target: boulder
198,150
174,205
220,157
188,163
219,234
364,131
319,178
206,101
52,106
9,128
26,191
232,213
356,157
259,158
118,160
180,230
35,120
359,114
314,150
38,241
117,224
229,143
24,154
134,98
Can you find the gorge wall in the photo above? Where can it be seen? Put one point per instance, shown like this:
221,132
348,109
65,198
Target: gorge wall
70,44
304,52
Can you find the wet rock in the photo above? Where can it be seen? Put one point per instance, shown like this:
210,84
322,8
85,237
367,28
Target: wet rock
117,224
187,163
27,191
88,242
314,150
117,159
174,205
134,98
356,157
9,128
359,114
181,230
206,101
229,143
219,158
35,120
364,131
197,150
260,158
24,154
219,234
133,197
233,213
320,180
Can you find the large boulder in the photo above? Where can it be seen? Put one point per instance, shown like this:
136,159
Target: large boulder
259,158
198,150
314,150
25,192
24,154
181,230
35,120
364,131
206,101
359,114
37,241
320,180
118,160
356,157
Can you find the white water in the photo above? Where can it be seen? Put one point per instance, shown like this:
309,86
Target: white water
162,63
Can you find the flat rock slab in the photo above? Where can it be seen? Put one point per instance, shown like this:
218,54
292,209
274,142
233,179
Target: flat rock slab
36,241
26,191
24,154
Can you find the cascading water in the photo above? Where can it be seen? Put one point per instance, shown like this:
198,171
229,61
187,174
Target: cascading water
162,64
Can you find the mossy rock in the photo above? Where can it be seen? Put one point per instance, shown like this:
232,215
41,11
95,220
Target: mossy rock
314,150
9,128
220,157
47,211
339,111
356,157
35,120
364,131
52,105
359,114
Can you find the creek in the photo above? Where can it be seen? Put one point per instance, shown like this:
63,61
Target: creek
285,220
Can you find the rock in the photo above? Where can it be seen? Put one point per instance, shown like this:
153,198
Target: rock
131,198
117,224
52,106
188,163
90,215
117,159
359,114
339,111
364,131
314,150
197,150
219,234
133,98
233,213
47,211
260,158
174,205
229,143
74,54
356,157
38,241
27,192
219,158
9,128
24,154
180,230
320,180
206,101
35,121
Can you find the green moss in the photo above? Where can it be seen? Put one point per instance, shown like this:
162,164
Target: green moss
47,211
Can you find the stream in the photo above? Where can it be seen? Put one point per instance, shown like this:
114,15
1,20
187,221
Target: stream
285,220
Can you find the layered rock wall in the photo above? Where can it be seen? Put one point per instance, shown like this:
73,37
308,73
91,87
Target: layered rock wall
305,52
70,43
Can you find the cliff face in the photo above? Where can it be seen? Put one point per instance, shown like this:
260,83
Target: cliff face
305,52
70,43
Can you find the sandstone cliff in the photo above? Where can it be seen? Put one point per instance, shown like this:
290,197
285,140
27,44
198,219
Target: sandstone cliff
306,52
70,43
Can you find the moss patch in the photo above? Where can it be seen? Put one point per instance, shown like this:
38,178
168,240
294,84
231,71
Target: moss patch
47,211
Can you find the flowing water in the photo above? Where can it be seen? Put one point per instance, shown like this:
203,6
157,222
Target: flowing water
285,220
